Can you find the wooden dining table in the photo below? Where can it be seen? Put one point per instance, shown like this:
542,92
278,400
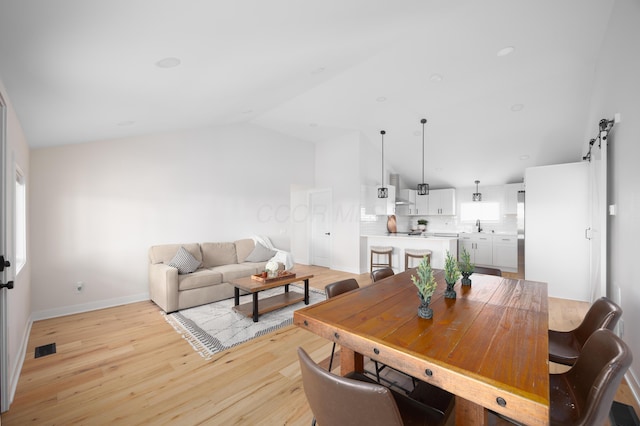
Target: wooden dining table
488,346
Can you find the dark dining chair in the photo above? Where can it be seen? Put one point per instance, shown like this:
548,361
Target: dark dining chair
336,289
583,395
565,346
356,399
380,274
487,271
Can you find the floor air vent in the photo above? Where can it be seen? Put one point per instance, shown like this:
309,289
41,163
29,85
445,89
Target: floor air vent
45,350
623,415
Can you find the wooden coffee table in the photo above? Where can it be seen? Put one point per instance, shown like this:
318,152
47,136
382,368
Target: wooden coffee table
268,304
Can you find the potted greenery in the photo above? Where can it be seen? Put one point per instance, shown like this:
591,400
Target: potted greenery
426,285
451,275
466,267
422,224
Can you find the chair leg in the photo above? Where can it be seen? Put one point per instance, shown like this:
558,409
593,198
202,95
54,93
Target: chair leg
333,349
313,422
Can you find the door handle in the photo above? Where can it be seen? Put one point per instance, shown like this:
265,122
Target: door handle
4,263
327,233
8,285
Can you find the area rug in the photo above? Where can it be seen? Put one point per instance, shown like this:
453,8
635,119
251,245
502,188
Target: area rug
217,327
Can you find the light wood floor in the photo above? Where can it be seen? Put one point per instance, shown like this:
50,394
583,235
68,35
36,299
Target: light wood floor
126,365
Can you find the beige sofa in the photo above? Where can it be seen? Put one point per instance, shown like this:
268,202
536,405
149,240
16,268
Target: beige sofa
219,263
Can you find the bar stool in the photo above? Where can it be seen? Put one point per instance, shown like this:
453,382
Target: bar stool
415,254
380,251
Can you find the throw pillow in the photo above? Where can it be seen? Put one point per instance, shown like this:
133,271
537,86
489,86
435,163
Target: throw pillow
184,261
260,254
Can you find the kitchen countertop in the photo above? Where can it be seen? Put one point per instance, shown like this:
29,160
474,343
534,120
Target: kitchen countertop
410,237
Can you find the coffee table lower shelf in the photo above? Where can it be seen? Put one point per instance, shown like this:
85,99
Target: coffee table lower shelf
269,304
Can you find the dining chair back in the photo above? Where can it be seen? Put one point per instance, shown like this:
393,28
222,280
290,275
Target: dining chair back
380,274
336,289
357,400
565,346
583,394
487,271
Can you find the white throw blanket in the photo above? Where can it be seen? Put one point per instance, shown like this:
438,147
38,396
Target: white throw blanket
281,256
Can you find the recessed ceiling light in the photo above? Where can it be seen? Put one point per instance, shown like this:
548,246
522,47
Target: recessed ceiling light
506,51
517,107
381,99
435,77
417,133
169,62
126,123
524,157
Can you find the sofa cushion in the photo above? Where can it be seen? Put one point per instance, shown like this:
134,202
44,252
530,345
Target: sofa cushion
184,261
230,272
244,248
165,252
260,254
216,254
200,278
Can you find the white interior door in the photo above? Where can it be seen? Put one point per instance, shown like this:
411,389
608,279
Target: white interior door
556,223
4,243
320,203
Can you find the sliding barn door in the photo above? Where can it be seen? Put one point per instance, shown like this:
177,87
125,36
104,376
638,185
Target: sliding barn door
598,206
557,245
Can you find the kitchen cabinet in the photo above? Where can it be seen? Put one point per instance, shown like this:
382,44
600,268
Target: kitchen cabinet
418,204
442,202
379,206
505,251
480,248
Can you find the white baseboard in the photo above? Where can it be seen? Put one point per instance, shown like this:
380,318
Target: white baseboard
91,306
16,369
634,385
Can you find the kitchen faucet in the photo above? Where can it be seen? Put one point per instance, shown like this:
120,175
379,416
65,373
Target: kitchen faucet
478,225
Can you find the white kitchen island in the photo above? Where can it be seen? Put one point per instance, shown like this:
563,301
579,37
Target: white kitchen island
401,242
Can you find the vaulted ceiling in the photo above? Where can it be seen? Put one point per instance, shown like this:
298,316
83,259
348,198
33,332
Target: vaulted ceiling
85,70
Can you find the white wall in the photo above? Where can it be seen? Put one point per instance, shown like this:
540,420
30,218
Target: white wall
97,207
18,299
617,90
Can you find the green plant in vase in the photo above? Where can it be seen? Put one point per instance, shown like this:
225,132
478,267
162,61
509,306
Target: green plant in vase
426,285
451,275
466,267
422,224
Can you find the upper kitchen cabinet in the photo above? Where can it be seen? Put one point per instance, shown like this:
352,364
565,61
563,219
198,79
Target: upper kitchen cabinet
442,202
511,197
379,206
412,203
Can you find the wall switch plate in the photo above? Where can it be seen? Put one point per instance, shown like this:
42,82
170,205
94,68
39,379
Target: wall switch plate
617,117
612,210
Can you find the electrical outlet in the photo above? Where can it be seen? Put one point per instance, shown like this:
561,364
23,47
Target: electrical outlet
78,287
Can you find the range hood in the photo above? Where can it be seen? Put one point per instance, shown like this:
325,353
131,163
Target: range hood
394,179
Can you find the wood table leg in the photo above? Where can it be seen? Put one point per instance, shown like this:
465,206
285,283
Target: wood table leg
468,413
350,361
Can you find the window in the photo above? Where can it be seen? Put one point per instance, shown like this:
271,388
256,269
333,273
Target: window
20,221
485,211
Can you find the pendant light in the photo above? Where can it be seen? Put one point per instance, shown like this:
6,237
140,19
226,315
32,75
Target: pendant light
383,192
423,188
477,196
